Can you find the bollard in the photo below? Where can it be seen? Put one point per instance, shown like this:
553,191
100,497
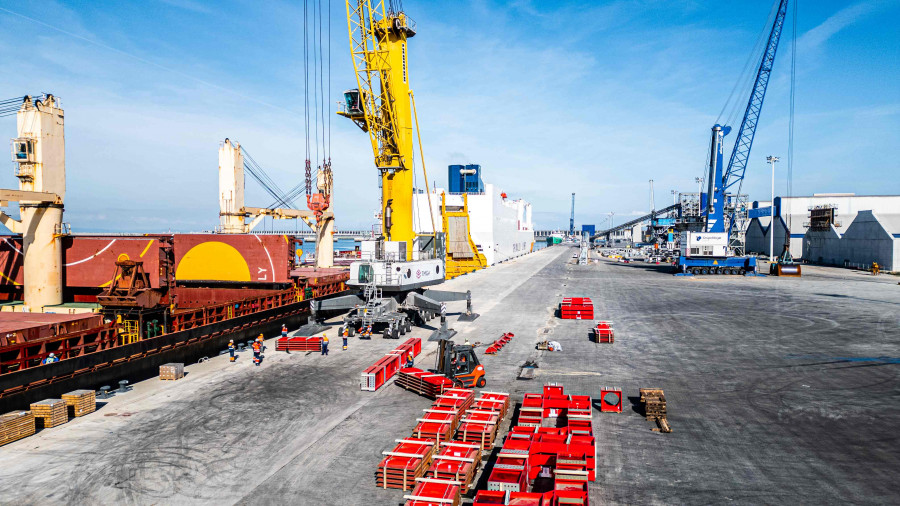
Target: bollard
123,386
104,392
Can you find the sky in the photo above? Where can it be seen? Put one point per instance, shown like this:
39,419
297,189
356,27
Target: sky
551,98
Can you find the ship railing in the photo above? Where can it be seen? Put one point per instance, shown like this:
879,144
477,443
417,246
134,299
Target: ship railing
65,346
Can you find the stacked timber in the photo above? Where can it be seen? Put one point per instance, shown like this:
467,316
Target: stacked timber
80,402
654,401
16,425
423,382
50,412
407,461
172,371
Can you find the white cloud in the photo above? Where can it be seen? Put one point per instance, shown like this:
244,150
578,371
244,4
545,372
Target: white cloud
843,18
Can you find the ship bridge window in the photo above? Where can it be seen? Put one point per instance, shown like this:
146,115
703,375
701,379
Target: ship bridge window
366,273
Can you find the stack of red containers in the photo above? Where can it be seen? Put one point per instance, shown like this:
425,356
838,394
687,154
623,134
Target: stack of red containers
456,461
297,343
576,308
437,424
604,333
434,492
378,373
406,462
567,450
479,427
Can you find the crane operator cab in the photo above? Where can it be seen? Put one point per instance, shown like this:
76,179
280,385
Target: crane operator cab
353,103
460,364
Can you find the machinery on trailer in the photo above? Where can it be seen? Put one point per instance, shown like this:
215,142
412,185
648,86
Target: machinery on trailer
459,363
717,249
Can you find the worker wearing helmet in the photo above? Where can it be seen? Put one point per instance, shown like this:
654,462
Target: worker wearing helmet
284,330
262,343
257,352
231,349
51,358
344,335
409,360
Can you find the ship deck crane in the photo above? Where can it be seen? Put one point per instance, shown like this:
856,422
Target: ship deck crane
715,249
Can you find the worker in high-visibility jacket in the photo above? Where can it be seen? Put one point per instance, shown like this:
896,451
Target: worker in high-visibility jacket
324,344
409,360
50,359
284,331
231,350
257,352
262,343
344,335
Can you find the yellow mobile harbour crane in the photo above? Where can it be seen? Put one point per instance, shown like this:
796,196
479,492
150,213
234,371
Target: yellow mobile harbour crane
396,268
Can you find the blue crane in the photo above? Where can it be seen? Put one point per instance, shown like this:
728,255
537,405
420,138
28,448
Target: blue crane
714,250
720,183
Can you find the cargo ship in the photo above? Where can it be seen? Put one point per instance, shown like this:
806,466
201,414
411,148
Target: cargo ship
481,224
78,311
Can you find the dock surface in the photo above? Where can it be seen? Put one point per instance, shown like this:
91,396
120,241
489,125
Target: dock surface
779,391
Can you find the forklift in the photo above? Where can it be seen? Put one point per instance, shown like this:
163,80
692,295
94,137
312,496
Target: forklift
459,363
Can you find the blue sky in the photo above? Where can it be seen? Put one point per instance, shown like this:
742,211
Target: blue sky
549,97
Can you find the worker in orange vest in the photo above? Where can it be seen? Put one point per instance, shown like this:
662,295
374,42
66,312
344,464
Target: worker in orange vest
409,360
262,344
344,335
257,350
324,344
284,331
231,350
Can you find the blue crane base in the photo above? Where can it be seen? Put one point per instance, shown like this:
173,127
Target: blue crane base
745,266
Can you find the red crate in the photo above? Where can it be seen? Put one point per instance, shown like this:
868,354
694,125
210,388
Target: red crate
610,400
576,308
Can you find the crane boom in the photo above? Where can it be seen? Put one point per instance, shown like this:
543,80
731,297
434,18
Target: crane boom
381,107
720,181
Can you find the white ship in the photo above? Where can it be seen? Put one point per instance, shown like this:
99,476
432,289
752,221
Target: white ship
498,227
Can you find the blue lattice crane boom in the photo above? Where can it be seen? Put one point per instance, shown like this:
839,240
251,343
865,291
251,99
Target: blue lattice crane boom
720,183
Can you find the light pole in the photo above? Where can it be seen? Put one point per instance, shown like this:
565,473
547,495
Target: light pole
674,197
772,160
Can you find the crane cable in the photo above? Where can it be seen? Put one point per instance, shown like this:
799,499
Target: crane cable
412,97
790,160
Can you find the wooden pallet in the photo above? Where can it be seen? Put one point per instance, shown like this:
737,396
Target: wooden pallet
81,402
16,425
50,412
171,372
654,400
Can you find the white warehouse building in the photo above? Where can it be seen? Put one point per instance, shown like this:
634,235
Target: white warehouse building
832,229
